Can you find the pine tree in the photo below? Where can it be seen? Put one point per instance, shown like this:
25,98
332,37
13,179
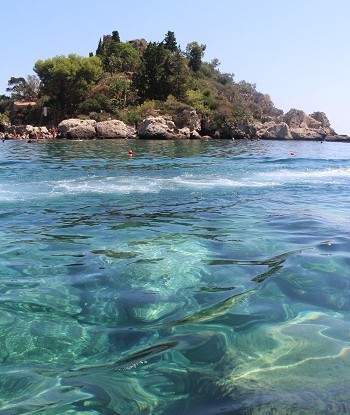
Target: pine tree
170,42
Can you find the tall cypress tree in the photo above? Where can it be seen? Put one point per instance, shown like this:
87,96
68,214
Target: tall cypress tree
170,42
99,50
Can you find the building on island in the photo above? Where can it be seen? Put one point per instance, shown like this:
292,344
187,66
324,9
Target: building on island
20,110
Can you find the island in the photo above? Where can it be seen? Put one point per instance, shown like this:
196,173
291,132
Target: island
147,90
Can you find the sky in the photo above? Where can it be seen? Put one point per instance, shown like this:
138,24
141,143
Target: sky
295,51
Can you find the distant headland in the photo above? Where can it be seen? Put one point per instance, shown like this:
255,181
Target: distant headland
147,90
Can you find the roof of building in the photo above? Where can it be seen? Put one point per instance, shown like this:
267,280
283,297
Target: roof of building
24,103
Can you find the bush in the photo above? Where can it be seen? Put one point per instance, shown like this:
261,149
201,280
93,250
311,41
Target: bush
4,119
97,103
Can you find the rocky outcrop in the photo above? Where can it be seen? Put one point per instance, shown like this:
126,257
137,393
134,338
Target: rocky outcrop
163,128
75,128
294,125
139,44
192,120
187,133
114,129
275,131
37,132
315,126
158,128
322,118
81,132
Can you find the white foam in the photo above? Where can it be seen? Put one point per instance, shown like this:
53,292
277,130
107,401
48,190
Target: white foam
306,176
215,182
106,185
138,184
127,185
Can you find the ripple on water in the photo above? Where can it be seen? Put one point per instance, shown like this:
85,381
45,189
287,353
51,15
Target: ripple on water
198,277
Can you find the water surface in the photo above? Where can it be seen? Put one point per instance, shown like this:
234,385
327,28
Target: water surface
191,278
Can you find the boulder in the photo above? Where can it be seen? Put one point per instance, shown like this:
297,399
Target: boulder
192,120
65,125
297,119
37,132
158,128
322,118
195,135
114,129
276,131
294,118
81,132
244,130
310,122
308,134
185,131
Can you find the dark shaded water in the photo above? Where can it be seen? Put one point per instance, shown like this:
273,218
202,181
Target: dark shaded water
192,278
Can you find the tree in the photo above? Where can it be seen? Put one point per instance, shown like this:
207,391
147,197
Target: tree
170,42
119,89
4,120
150,78
178,75
99,49
5,103
126,57
115,36
32,87
67,81
195,53
24,89
215,63
16,86
161,73
117,56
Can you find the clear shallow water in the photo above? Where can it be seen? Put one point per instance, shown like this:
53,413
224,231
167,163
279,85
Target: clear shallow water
192,278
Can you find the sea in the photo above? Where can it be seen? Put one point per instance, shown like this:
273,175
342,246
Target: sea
189,278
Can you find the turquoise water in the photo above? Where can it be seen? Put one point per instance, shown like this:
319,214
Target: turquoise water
191,278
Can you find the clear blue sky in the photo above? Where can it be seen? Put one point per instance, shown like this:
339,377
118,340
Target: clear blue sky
295,51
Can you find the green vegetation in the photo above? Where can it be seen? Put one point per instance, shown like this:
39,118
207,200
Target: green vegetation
130,80
66,81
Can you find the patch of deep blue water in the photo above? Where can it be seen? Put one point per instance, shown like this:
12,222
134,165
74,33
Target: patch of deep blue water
191,278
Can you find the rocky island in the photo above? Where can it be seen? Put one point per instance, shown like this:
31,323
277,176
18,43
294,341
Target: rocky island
147,90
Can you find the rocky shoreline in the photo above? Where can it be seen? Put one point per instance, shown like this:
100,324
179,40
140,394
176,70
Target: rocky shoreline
294,125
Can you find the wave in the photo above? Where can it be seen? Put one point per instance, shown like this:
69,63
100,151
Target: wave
324,176
137,184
